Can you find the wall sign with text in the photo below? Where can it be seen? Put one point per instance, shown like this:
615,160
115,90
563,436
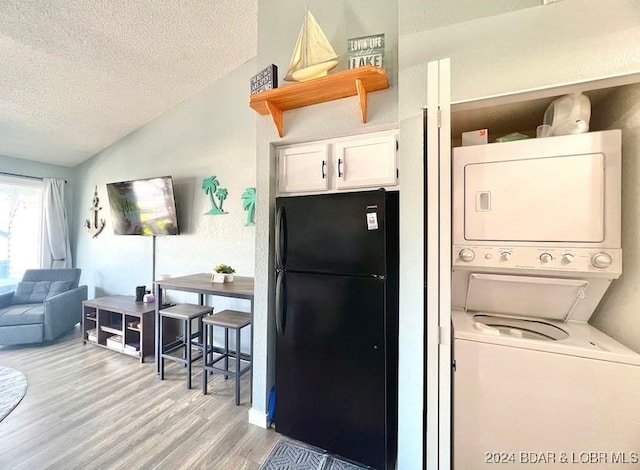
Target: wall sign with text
265,80
366,50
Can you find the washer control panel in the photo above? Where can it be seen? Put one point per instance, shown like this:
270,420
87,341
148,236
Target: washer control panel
587,260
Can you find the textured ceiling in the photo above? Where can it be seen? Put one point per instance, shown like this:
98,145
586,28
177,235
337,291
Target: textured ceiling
78,75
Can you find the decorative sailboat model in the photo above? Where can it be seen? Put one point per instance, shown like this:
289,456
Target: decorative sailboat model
313,56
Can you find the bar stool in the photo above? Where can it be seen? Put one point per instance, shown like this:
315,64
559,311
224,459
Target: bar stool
185,313
229,320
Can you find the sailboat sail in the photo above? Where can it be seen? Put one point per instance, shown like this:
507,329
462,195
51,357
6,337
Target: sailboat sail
313,55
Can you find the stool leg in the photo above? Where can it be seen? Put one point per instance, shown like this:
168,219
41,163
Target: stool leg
250,371
210,333
160,348
204,358
237,366
188,352
226,351
185,337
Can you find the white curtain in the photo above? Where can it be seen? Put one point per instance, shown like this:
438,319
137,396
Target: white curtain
57,249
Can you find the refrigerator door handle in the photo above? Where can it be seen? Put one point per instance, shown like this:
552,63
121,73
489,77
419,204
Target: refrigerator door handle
281,316
280,237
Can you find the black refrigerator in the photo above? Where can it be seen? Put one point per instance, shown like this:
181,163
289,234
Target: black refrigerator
337,323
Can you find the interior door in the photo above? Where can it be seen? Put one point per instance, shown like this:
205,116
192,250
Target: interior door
438,365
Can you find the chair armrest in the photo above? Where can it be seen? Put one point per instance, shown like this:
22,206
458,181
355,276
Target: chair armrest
63,311
5,299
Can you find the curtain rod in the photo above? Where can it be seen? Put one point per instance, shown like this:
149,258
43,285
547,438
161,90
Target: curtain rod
23,176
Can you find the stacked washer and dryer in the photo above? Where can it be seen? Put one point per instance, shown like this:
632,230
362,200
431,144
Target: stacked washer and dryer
536,245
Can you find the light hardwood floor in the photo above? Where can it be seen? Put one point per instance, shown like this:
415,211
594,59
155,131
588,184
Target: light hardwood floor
91,408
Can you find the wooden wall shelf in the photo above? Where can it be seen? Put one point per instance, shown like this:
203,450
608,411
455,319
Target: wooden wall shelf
359,81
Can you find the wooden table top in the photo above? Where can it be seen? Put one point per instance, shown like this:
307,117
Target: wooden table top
241,287
121,304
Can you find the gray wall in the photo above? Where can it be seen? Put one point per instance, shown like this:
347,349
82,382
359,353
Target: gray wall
617,314
212,133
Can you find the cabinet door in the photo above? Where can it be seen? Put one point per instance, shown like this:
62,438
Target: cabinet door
367,162
303,168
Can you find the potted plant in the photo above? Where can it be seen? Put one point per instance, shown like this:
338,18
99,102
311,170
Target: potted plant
222,273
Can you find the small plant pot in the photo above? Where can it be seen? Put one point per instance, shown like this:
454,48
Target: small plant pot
218,278
228,278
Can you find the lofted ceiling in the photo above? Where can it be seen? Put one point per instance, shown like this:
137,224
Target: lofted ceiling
78,75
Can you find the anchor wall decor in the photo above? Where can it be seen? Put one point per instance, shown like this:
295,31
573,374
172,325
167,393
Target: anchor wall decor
94,225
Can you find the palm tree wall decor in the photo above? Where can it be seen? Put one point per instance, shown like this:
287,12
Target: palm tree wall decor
249,205
211,187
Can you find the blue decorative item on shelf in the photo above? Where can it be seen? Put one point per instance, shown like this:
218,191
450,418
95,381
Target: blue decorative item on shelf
211,188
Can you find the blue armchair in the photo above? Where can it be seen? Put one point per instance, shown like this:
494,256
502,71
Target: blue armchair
46,304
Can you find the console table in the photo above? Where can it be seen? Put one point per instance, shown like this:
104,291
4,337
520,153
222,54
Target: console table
119,323
241,288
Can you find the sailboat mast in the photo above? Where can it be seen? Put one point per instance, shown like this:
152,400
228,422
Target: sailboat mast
305,38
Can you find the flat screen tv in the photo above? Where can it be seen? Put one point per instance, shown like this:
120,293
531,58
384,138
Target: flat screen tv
143,207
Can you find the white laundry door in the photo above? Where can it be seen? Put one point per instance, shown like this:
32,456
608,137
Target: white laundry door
438,267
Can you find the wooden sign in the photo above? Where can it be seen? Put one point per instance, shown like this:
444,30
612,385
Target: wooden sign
265,80
366,50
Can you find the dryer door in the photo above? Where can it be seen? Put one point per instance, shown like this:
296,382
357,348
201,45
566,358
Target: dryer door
552,199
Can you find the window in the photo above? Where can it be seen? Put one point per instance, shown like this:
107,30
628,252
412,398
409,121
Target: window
20,228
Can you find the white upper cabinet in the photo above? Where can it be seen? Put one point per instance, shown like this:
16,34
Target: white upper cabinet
365,161
303,168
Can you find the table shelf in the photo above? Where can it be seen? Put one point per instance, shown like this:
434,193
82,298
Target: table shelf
111,329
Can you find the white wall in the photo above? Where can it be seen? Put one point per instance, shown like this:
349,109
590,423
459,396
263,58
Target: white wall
212,133
618,313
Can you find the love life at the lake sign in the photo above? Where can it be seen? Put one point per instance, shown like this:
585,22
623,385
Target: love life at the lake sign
366,50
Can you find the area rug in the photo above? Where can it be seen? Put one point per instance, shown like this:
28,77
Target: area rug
13,386
288,455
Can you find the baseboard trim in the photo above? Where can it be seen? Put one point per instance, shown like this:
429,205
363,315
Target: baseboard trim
258,418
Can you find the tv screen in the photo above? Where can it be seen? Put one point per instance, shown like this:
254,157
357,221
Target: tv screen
143,207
